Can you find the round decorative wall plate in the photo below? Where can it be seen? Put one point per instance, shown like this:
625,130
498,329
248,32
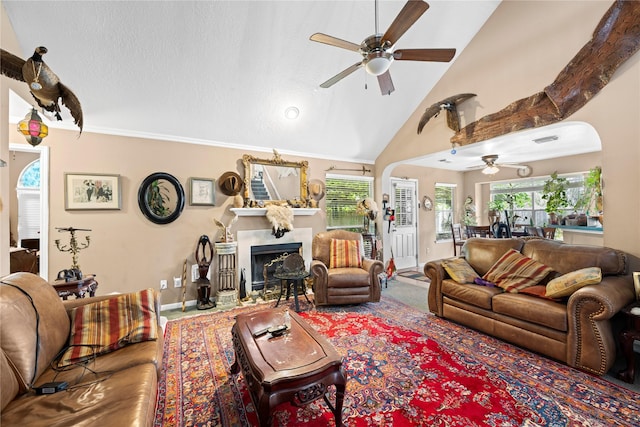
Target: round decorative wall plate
427,203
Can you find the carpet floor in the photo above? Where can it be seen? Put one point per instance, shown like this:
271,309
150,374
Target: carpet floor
404,367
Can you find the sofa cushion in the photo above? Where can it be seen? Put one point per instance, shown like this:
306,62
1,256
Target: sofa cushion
108,325
565,258
459,270
514,271
567,284
479,296
345,254
120,398
348,278
482,253
530,309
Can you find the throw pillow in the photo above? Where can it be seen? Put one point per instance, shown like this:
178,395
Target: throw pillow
567,284
514,271
459,270
344,254
104,326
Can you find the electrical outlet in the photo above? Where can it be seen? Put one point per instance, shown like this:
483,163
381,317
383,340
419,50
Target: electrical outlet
177,282
163,284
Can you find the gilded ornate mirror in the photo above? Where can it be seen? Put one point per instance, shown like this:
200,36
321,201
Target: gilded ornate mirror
161,198
274,180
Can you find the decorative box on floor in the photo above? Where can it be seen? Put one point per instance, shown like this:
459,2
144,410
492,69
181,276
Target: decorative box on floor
226,268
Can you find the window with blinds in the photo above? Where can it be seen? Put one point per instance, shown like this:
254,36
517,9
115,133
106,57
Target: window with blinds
404,198
444,210
28,190
343,192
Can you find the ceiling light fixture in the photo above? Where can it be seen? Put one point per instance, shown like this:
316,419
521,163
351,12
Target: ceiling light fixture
378,62
291,113
490,170
32,128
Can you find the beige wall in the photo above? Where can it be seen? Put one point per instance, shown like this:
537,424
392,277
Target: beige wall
521,49
127,251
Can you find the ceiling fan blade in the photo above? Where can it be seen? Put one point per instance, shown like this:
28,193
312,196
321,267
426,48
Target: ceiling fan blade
435,55
334,41
509,165
386,84
405,19
341,75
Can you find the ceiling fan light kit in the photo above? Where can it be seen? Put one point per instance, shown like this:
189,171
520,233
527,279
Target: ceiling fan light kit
377,63
490,170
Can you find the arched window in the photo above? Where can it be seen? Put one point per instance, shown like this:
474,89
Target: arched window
28,190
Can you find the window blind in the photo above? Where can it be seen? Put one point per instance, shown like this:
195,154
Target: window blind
28,214
343,193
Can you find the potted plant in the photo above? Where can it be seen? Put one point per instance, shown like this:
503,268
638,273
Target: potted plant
496,206
554,192
593,191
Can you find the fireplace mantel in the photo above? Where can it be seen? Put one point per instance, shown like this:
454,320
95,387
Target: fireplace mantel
263,211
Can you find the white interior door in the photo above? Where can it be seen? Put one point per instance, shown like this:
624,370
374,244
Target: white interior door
404,238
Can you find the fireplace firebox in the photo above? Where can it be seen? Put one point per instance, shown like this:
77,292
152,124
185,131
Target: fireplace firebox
264,254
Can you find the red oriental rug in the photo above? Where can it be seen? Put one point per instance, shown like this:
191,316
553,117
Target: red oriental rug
404,368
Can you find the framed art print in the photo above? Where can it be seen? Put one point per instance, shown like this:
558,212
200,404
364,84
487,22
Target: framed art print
202,192
90,191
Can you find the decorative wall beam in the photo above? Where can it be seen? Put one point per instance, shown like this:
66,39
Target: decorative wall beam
615,39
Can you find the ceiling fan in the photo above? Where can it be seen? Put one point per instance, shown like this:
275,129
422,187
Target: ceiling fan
491,167
377,50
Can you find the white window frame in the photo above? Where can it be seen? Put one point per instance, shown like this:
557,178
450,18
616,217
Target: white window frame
443,234
357,224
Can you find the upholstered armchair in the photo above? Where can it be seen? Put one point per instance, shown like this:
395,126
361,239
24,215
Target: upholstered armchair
342,274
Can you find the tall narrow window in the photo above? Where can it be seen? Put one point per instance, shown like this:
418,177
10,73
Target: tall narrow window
28,190
343,194
444,210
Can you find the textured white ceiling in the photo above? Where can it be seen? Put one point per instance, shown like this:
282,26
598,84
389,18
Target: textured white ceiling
223,72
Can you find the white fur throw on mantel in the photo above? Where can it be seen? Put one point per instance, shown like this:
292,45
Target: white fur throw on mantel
281,218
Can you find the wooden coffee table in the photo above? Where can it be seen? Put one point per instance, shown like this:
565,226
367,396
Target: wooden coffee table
295,367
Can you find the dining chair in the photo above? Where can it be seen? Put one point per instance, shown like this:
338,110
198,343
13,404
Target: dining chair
478,231
458,237
549,232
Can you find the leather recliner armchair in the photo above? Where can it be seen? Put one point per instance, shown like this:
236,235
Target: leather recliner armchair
343,285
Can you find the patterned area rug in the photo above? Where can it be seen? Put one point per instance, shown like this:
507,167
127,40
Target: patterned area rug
404,368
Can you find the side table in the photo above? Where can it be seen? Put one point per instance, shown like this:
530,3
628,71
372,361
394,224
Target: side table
627,337
295,279
76,287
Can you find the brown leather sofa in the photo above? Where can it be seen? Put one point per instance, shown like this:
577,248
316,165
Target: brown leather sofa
343,285
117,388
576,330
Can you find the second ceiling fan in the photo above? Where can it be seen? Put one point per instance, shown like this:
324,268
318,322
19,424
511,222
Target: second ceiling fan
490,166
377,50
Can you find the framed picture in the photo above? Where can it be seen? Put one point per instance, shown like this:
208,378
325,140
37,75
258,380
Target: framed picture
202,192
90,191
636,283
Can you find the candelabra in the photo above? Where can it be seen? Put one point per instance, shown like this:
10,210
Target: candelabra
73,247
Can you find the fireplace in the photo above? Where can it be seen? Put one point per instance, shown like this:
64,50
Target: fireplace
250,238
264,254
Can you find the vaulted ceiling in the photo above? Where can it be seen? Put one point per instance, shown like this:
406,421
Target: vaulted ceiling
224,72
